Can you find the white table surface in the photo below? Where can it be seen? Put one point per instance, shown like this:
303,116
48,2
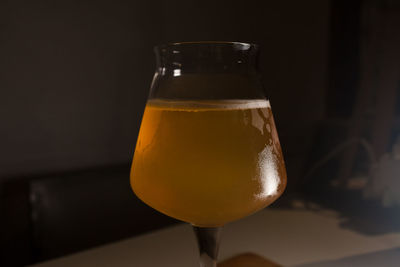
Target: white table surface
288,237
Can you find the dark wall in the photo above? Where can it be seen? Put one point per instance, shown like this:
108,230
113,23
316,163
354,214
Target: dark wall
74,75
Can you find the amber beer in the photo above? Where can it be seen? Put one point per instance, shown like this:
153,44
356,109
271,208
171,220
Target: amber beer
208,162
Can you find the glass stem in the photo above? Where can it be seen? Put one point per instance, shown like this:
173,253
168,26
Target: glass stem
208,241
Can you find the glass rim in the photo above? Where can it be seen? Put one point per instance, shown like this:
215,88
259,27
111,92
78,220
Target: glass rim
236,45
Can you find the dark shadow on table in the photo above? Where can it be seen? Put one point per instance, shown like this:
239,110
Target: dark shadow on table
367,217
386,258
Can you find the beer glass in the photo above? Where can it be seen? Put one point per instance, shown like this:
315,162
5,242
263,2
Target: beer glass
208,151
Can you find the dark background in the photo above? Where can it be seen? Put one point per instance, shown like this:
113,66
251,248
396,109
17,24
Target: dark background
75,74
74,78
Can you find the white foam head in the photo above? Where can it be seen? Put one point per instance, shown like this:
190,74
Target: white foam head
210,104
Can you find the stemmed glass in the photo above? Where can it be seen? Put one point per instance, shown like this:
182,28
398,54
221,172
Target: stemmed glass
208,152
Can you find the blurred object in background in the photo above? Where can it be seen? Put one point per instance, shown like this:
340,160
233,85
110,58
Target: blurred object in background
384,182
55,214
374,111
350,171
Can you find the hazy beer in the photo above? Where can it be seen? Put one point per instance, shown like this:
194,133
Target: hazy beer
208,162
